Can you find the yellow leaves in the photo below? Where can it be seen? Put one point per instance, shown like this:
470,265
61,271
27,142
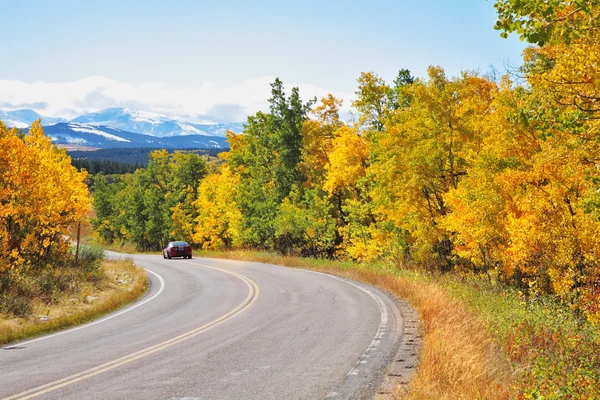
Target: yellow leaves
552,237
41,194
567,74
317,139
219,217
317,143
182,224
373,95
328,110
347,160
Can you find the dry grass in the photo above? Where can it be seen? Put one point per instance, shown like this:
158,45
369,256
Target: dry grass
459,360
121,283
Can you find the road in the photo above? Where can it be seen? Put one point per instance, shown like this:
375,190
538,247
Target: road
218,329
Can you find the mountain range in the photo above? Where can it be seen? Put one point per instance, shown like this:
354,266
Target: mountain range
73,133
24,118
122,127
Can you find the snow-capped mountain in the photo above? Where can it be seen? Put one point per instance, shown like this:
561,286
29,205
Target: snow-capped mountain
24,118
153,124
93,135
126,120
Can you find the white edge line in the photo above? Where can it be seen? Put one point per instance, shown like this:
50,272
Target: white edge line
162,286
382,322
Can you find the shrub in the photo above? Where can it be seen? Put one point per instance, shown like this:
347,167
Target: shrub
90,257
15,305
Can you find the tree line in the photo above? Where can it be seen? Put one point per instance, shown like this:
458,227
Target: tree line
498,177
131,156
105,166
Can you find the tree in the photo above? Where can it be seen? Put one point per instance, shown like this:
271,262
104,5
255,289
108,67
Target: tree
547,22
305,224
318,134
422,156
267,156
219,217
153,205
373,101
41,196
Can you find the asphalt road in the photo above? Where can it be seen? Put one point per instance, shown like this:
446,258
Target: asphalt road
218,329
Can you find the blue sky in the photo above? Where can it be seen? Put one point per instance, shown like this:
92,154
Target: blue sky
228,47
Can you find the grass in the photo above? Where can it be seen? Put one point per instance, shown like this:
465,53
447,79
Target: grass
63,298
482,340
126,248
121,247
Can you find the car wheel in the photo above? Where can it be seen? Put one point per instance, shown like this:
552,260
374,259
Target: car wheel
164,255
168,255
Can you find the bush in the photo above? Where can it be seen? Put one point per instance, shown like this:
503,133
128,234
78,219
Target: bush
15,305
90,257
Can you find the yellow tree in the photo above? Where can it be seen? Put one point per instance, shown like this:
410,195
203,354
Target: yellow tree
373,101
42,196
478,205
553,239
344,182
219,217
317,139
554,222
423,155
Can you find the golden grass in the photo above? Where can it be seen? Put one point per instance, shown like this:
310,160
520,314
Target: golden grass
459,359
121,284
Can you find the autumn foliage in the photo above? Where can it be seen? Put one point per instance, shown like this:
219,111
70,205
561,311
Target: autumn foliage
41,197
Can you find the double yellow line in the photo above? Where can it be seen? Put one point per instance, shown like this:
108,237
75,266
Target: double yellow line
253,292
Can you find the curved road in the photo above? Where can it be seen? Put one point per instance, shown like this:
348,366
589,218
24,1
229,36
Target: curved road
217,329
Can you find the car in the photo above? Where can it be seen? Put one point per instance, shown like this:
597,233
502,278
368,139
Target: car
177,249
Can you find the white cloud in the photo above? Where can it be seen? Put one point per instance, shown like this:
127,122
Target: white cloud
69,99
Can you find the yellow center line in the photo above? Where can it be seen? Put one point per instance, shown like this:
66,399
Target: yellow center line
253,292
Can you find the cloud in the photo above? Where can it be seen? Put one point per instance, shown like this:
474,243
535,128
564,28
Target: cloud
37,106
207,102
226,113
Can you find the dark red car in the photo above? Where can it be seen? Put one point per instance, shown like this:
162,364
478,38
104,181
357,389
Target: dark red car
177,249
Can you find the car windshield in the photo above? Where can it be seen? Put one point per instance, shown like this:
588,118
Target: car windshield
179,244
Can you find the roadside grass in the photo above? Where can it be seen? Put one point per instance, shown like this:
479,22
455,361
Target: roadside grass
126,248
69,296
482,340
121,247
554,352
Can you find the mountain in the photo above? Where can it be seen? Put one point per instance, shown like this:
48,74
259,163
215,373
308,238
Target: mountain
93,135
151,124
24,118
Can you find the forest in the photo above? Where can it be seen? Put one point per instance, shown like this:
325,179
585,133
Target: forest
497,176
129,156
107,167
122,161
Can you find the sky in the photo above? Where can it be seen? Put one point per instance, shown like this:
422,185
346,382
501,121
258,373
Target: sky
214,60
